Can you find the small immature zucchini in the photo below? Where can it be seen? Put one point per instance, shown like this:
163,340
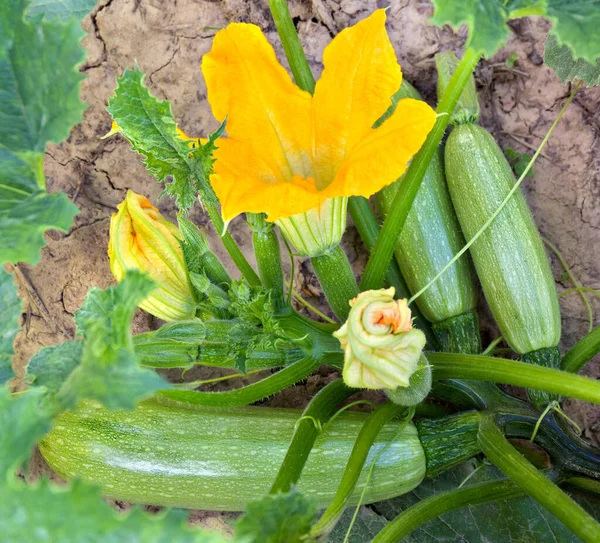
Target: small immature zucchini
219,459
429,240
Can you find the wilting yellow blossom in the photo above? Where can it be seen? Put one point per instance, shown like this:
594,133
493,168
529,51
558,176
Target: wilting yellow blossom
288,152
142,239
381,348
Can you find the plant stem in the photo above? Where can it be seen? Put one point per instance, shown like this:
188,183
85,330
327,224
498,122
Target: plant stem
291,45
392,226
430,508
268,254
368,228
337,280
511,372
582,352
231,246
320,409
250,393
501,453
357,459
583,483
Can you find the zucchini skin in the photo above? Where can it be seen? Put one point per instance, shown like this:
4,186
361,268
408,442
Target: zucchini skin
429,240
218,459
509,256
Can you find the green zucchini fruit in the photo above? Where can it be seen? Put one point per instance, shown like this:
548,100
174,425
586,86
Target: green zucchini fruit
429,240
509,256
219,459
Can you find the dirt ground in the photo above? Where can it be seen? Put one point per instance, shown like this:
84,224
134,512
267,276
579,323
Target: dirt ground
167,39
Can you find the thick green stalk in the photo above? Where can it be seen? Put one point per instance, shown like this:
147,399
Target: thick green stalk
392,226
320,409
358,457
511,372
582,352
291,45
501,453
583,483
231,246
250,393
268,254
368,228
437,505
337,280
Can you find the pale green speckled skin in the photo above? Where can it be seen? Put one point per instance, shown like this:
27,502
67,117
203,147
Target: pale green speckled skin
509,257
215,459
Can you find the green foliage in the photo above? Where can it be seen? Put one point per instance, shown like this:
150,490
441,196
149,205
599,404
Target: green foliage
280,518
39,103
520,519
519,161
51,366
109,371
9,323
560,58
575,21
60,9
148,124
22,423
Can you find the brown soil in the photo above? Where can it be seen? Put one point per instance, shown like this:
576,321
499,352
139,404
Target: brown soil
168,38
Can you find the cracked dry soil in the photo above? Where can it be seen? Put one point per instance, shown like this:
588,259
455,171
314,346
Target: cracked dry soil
168,38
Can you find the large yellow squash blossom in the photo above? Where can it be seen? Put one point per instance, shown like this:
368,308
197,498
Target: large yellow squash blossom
381,347
142,239
297,156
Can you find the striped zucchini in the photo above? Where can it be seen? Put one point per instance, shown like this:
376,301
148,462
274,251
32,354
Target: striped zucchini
219,459
509,256
429,240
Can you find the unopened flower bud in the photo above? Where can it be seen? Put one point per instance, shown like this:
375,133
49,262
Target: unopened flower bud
142,239
381,348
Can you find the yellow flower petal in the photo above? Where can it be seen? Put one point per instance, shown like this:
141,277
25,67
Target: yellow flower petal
244,183
360,75
384,153
264,109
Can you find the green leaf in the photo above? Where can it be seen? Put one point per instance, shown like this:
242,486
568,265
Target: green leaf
60,9
519,161
51,366
39,102
148,124
76,514
22,423
575,21
109,371
9,323
366,526
280,518
520,519
39,80
568,68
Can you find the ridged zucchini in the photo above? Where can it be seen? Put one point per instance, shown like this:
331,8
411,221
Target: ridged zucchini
429,240
509,256
219,459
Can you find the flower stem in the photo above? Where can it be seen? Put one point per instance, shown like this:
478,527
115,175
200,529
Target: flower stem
319,410
511,372
430,508
392,226
337,280
268,254
358,457
368,228
231,246
501,453
291,45
582,352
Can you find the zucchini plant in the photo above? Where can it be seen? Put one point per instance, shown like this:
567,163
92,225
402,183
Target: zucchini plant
291,157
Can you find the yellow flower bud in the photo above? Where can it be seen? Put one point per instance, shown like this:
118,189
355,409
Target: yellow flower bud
142,239
381,348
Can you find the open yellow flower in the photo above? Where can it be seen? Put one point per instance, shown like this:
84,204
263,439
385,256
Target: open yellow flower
289,152
142,239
